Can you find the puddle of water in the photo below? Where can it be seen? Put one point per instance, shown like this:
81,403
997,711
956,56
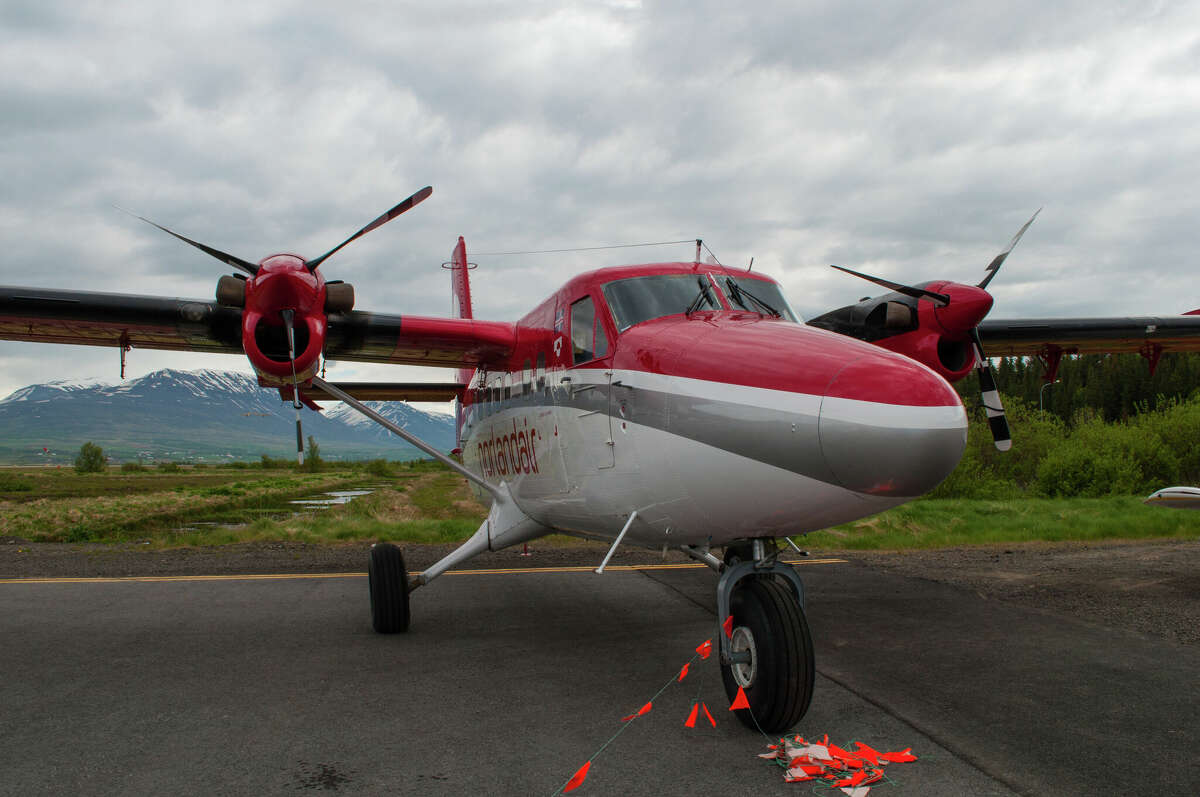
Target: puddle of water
285,509
331,498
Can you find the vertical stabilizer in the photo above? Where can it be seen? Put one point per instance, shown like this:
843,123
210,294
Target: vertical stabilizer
460,306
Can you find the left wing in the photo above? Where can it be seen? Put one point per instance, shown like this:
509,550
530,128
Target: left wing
152,322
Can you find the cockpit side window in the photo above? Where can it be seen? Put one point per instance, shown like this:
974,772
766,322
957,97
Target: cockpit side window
583,326
639,299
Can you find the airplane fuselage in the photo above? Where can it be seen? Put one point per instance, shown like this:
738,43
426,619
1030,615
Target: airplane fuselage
717,425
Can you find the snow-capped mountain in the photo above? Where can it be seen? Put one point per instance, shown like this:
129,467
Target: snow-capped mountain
195,415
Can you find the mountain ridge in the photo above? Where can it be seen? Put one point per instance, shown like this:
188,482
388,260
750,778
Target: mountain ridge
195,416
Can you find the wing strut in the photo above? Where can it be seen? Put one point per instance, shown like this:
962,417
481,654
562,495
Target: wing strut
341,395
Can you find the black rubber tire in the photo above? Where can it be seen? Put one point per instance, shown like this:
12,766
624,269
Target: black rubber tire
387,580
782,685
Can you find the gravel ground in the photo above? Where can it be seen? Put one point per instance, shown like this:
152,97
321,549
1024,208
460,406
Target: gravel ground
1150,587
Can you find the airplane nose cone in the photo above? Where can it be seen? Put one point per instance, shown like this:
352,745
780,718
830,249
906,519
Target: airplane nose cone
891,427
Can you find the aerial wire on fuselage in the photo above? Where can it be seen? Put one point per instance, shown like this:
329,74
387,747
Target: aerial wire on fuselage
582,248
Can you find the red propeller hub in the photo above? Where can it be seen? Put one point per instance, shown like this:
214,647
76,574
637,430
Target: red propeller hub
283,282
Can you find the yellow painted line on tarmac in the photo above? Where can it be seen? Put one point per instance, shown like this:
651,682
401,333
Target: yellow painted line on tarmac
285,576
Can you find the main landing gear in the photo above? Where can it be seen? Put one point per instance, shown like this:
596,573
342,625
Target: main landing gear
388,583
770,653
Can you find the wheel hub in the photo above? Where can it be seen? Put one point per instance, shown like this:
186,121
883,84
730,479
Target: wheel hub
745,656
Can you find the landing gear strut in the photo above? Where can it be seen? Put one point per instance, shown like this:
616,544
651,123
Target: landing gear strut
769,654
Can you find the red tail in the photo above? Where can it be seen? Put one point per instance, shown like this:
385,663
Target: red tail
1194,312
460,305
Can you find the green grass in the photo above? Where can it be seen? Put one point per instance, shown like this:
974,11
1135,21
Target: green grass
425,503
939,523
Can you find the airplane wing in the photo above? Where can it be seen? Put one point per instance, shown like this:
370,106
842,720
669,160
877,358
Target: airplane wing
1033,336
151,322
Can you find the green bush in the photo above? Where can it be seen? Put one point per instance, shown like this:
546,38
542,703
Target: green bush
312,457
378,467
169,467
133,467
269,462
91,459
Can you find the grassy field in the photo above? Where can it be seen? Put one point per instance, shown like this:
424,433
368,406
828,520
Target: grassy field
423,502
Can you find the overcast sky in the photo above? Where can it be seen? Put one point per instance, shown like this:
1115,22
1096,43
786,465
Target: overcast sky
910,140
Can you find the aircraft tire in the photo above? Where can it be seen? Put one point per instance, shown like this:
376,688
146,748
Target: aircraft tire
768,618
387,580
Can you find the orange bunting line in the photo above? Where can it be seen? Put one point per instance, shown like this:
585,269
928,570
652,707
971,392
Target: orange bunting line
578,778
740,701
645,709
711,721
690,722
683,673
727,627
705,649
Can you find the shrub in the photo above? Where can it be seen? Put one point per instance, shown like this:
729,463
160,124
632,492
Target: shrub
378,467
91,459
169,467
133,467
312,458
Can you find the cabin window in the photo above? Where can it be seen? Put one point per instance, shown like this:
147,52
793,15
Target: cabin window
639,299
526,378
757,296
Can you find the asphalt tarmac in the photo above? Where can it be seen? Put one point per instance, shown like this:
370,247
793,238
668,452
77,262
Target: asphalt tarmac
508,682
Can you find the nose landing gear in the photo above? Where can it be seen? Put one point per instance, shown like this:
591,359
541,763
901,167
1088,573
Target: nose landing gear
769,654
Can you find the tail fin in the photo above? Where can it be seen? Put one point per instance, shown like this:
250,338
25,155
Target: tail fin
460,284
1194,312
460,305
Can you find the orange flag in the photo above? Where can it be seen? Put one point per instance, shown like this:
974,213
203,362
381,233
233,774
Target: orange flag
727,627
645,709
578,778
705,649
740,701
691,720
711,721
683,672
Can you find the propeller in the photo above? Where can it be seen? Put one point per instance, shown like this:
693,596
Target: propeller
997,420
288,286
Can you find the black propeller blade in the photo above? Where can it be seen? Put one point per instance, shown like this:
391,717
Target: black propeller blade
907,290
288,317
224,257
406,205
997,420
999,259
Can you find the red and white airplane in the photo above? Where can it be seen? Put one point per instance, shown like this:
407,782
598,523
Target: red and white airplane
666,405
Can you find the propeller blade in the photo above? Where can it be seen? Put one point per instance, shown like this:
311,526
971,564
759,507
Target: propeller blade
224,257
997,420
907,290
406,205
288,316
999,259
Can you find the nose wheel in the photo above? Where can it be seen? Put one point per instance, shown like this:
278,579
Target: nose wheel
769,654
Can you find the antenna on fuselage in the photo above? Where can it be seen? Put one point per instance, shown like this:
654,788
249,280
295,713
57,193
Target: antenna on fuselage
699,243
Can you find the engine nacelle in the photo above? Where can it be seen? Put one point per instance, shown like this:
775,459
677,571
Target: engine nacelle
283,282
942,338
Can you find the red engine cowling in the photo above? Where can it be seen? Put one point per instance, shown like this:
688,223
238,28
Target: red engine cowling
942,339
284,283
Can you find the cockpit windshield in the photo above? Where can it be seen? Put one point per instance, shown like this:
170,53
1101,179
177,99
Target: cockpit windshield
757,296
639,299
